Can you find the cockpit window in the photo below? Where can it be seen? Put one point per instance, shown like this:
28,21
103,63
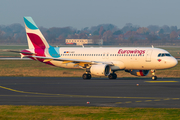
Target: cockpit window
159,55
168,54
163,54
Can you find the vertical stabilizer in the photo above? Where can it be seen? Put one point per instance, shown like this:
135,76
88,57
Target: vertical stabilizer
34,36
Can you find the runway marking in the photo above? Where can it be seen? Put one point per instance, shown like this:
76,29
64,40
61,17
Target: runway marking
36,94
118,102
167,99
128,102
175,98
147,100
160,81
83,96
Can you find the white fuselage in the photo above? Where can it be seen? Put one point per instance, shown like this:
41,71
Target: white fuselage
141,58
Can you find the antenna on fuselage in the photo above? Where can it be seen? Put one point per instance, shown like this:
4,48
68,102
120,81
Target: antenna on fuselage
82,45
152,46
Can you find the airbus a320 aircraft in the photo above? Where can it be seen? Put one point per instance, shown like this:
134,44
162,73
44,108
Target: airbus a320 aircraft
98,61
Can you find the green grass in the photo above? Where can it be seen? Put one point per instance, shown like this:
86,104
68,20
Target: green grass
11,54
12,112
14,47
35,68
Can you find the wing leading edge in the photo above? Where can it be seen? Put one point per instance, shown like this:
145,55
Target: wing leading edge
67,60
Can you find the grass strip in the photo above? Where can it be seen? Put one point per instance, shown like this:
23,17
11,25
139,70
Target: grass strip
37,69
9,112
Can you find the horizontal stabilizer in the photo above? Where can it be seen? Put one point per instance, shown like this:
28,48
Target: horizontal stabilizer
19,52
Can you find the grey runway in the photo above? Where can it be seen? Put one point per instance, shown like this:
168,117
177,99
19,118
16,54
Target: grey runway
122,92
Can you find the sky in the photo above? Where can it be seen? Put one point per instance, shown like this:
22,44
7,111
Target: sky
87,13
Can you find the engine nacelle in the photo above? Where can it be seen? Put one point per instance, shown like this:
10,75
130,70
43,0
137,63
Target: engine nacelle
100,70
138,72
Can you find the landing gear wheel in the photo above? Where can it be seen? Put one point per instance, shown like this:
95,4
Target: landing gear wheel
115,76
154,77
89,76
112,76
86,76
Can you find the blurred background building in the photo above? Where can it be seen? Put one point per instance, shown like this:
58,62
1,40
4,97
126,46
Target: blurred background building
84,42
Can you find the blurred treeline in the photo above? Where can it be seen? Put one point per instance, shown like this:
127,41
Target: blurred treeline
112,35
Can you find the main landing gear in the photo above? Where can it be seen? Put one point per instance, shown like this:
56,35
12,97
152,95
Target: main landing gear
86,76
154,77
112,76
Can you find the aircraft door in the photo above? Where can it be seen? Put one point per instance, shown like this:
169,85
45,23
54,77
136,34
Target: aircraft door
148,55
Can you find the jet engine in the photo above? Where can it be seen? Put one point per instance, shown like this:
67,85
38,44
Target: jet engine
138,72
100,69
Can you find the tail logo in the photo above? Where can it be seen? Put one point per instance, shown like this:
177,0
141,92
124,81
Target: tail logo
30,23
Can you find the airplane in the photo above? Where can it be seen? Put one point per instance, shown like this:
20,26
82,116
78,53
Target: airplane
99,61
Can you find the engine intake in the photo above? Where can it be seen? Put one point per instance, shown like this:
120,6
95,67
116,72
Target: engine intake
100,70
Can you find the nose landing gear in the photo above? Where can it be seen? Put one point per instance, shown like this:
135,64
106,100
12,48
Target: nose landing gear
154,77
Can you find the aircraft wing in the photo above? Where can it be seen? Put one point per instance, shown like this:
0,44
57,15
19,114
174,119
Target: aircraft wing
68,60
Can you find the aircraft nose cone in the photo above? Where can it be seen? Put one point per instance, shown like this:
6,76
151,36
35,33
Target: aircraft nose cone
174,62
